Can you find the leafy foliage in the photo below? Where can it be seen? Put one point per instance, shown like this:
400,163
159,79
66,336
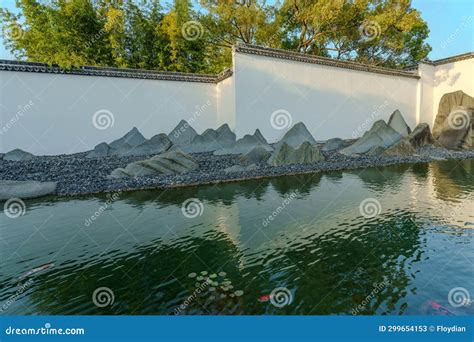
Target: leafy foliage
198,38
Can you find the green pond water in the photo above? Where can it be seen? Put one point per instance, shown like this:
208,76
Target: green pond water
330,254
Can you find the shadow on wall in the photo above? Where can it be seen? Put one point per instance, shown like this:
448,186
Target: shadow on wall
334,106
446,75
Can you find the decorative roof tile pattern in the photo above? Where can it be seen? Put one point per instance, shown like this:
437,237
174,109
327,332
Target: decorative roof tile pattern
295,56
21,66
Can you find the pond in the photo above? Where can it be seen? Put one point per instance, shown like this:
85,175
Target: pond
396,240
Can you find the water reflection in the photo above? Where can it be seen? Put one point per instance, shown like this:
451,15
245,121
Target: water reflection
317,244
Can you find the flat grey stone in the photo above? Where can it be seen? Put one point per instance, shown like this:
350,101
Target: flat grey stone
257,155
211,140
25,189
171,162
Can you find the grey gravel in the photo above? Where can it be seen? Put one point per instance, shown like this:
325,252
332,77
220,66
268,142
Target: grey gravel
76,174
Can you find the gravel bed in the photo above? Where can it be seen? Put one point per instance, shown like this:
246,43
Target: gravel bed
77,174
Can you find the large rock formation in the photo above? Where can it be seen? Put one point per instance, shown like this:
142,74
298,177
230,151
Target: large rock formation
421,136
297,135
211,140
401,148
25,189
169,163
286,154
18,155
257,155
398,123
183,134
132,138
332,144
446,104
380,134
246,144
456,131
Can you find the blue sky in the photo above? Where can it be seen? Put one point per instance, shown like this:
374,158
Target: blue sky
451,23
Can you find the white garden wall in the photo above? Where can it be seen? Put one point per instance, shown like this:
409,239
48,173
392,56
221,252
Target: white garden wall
59,117
47,111
331,101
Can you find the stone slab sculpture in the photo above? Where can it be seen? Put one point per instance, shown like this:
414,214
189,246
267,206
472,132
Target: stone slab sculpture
183,134
446,104
168,163
132,138
297,135
18,155
247,143
286,154
332,144
456,131
380,134
398,123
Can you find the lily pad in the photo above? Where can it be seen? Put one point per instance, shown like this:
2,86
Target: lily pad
238,293
192,275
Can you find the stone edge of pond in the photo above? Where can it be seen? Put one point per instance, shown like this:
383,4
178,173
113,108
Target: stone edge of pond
369,163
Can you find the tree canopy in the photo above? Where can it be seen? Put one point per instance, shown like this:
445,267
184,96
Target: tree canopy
197,37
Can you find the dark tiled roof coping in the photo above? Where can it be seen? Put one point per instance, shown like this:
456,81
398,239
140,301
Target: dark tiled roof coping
300,57
22,66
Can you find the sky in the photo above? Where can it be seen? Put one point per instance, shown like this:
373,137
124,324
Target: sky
451,24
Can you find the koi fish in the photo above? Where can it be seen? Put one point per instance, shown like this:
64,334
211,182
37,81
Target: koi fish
37,269
438,309
265,298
